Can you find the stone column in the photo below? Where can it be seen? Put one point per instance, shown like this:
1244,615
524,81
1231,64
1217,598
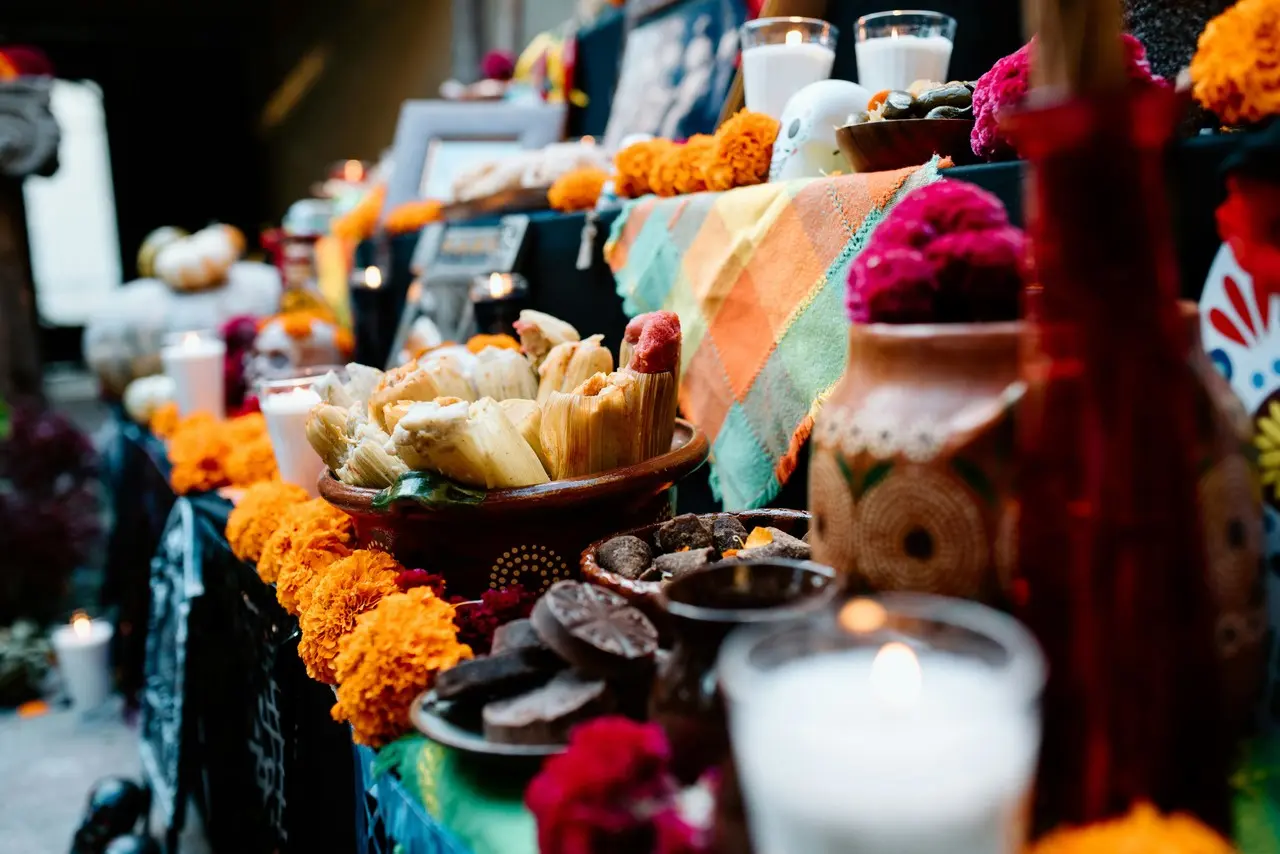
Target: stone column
28,146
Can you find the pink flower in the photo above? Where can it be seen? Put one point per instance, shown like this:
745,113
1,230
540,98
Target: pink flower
945,253
1006,84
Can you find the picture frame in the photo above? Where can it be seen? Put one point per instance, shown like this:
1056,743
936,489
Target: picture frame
446,259
435,140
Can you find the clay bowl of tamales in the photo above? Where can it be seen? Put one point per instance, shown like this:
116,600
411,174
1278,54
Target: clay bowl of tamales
497,463
530,535
636,563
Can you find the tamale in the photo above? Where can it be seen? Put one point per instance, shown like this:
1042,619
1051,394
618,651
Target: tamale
326,433
504,375
474,444
572,363
527,416
592,429
540,332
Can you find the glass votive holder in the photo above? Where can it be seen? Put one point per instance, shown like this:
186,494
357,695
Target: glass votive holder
903,724
194,360
286,404
781,56
496,301
82,650
895,49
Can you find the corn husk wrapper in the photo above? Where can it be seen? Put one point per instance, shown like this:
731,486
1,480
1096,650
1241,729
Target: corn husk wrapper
625,350
361,381
504,375
393,412
332,390
370,465
438,377
474,444
654,398
540,332
327,434
527,416
572,363
452,369
591,429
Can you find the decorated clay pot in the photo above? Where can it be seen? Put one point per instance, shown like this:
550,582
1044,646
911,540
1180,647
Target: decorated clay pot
1231,514
912,478
912,461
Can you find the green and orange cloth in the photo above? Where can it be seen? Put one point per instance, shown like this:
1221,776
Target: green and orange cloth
757,276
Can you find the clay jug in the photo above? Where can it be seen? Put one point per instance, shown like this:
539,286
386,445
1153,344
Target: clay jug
912,459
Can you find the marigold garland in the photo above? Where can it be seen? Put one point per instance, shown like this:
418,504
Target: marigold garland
348,588
361,221
391,657
741,152
413,216
691,164
1236,70
662,176
312,524
1143,831
476,343
257,515
633,165
208,454
164,420
578,189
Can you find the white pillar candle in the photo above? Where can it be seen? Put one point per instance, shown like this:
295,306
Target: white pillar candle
875,751
286,414
82,653
772,73
897,60
195,364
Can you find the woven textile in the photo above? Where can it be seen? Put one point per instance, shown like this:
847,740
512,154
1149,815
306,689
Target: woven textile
757,276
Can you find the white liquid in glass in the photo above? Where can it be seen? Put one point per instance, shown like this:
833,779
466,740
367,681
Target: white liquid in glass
895,62
772,73
286,415
827,768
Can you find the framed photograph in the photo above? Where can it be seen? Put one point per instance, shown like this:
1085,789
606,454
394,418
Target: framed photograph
437,307
437,140
678,65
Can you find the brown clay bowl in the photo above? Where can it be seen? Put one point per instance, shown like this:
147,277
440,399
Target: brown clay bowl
646,594
531,535
898,143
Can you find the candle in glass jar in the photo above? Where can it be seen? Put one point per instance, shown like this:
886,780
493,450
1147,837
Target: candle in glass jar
194,361
286,414
897,60
881,752
81,649
772,73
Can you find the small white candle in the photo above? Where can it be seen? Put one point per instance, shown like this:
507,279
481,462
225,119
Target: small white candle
195,364
82,652
897,60
772,73
876,751
286,414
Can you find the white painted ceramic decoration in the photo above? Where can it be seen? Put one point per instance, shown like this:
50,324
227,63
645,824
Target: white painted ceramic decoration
806,145
1240,325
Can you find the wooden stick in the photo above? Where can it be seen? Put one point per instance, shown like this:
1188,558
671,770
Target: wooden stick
1079,48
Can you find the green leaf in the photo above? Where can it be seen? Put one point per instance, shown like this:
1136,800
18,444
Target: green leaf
975,478
874,475
429,490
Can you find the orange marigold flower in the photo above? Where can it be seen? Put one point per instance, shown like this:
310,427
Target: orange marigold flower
412,216
578,189
164,420
297,527
1142,830
662,175
1236,70
690,167
312,555
257,515
476,343
197,449
344,341
392,656
741,152
633,164
347,589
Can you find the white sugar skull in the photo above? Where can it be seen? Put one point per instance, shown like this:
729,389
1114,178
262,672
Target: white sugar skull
806,145
276,352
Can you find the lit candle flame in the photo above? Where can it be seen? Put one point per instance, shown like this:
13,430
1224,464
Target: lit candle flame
500,285
81,624
352,171
794,37
895,677
863,616
372,277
